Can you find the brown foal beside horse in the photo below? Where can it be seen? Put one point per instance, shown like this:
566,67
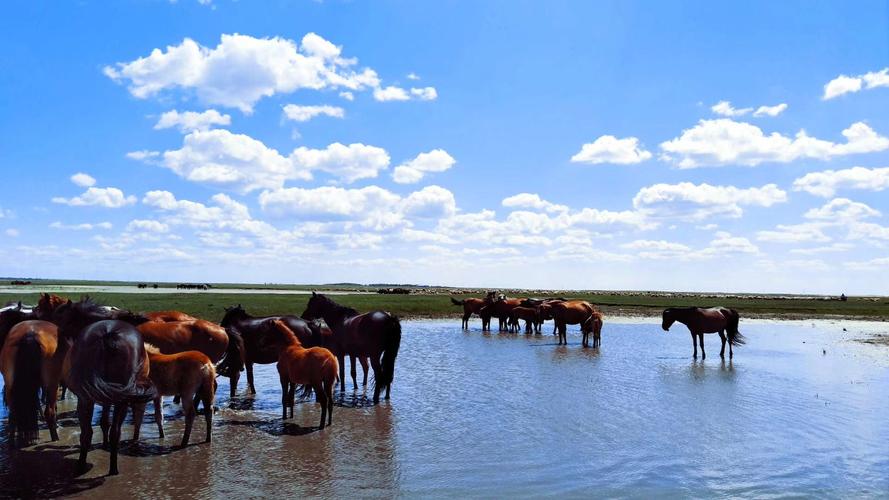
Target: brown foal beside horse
314,368
699,321
528,314
188,374
593,325
570,312
32,360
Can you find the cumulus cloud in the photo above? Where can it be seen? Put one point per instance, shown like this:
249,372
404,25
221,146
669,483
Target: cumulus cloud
99,197
770,110
147,225
657,249
842,210
795,233
83,180
827,182
394,93
533,201
297,113
424,93
610,149
725,108
727,142
437,160
243,69
81,227
188,121
240,162
844,84
12,232
700,201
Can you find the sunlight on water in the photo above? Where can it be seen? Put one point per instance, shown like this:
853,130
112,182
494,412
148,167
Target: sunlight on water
801,410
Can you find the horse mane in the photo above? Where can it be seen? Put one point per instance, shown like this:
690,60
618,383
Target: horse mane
287,332
338,308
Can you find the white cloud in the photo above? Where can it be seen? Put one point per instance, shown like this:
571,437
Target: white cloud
727,142
425,93
412,76
349,96
658,249
101,197
437,160
298,113
876,264
143,155
868,231
242,69
610,149
188,121
849,84
148,226
796,233
700,201
833,247
393,93
430,202
827,182
532,200
81,227
770,110
12,232
842,210
726,244
83,180
724,108
349,163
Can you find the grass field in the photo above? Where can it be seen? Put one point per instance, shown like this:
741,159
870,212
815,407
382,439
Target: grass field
211,306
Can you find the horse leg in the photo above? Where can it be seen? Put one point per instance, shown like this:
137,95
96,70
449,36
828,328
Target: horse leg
105,423
354,373
466,320
159,415
328,389
208,415
703,354
49,413
138,414
722,338
322,398
363,360
284,391
85,416
375,364
694,343
120,412
233,384
189,407
291,397
342,360
250,386
177,399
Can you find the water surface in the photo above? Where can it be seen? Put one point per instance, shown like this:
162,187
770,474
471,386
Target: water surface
801,410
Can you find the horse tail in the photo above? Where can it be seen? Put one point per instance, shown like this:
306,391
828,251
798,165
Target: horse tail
734,336
391,343
233,360
25,393
456,302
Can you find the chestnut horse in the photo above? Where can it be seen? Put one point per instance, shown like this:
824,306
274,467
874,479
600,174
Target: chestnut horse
593,325
107,365
168,316
188,374
528,314
570,312
225,348
699,321
255,333
374,335
472,306
500,308
315,368
31,361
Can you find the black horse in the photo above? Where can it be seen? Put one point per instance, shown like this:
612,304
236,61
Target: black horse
257,333
11,315
376,335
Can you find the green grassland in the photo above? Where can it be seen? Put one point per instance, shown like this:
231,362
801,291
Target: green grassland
436,304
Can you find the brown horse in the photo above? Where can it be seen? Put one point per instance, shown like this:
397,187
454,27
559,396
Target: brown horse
472,305
31,360
570,312
168,316
593,325
376,335
47,304
314,368
500,308
528,315
226,348
190,375
323,336
700,320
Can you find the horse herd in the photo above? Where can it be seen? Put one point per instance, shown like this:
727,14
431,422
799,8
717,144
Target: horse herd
122,360
563,312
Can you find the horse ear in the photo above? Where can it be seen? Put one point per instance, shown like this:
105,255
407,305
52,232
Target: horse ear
313,293
69,302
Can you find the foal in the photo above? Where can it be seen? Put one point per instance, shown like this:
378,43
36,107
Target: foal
188,374
315,368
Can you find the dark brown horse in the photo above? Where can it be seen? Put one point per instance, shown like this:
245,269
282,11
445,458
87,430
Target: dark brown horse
31,360
472,305
376,335
500,308
699,321
528,315
323,336
256,332
570,312
592,326
12,315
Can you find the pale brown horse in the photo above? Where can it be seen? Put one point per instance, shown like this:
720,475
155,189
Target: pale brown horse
593,325
314,368
32,360
226,348
190,375
699,321
168,316
570,312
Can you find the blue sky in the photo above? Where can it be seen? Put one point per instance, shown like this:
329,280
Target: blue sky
590,145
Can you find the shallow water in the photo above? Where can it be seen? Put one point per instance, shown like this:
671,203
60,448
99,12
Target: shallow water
802,410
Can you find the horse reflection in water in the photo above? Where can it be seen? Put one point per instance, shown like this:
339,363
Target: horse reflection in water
699,321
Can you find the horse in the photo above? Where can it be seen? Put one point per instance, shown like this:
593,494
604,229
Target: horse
255,333
501,308
47,304
472,306
528,314
700,320
168,316
32,360
12,315
592,325
323,336
375,334
190,375
570,312
107,365
315,368
223,347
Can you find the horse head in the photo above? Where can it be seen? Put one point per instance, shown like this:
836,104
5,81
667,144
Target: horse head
233,314
668,319
72,317
315,307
